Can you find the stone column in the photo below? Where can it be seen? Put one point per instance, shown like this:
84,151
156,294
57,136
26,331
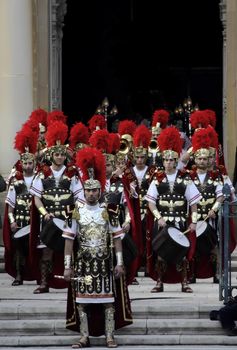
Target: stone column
57,12
229,20
16,83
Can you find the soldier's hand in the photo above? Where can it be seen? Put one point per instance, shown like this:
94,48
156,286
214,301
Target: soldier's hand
48,216
126,227
161,222
14,227
211,214
192,227
118,271
67,274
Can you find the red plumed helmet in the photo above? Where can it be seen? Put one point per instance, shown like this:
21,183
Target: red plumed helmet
211,116
79,134
91,162
160,116
170,142
114,143
100,140
56,115
97,122
199,119
33,124
26,140
201,142
39,116
56,134
214,143
142,136
126,127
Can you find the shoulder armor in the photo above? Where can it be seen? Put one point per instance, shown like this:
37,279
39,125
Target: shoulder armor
75,214
105,215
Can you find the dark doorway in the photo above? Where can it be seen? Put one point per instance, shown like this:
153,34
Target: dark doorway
142,55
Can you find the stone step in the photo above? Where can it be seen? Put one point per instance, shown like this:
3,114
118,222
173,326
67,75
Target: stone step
140,326
142,309
137,340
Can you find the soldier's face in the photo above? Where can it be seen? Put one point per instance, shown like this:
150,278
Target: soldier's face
109,169
201,162
28,167
140,160
59,158
92,195
169,163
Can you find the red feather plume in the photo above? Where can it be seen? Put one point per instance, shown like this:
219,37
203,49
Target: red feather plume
56,116
97,120
142,136
213,137
39,116
33,124
201,139
199,119
92,158
160,116
126,127
79,133
100,140
170,139
114,143
211,116
26,140
57,131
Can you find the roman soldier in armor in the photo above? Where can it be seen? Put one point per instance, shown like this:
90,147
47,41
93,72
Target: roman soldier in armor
143,177
38,121
210,184
172,199
198,119
18,210
55,190
98,301
160,119
126,129
116,196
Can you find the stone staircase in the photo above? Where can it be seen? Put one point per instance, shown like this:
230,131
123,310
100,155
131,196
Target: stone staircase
171,319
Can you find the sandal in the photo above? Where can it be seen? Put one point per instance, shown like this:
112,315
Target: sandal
83,342
186,289
17,282
43,289
158,288
135,282
111,343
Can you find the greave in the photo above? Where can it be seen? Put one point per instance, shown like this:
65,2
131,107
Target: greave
46,269
184,271
83,321
109,322
160,267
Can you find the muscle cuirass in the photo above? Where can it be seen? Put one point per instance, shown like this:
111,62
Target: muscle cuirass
208,192
23,204
145,183
94,255
172,204
113,200
114,194
56,199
